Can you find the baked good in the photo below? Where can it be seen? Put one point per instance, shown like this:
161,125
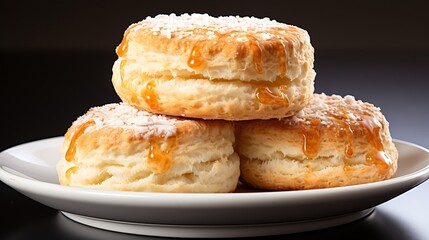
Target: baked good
334,141
231,68
117,147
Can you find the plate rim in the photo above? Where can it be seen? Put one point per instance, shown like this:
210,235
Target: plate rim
237,208
217,196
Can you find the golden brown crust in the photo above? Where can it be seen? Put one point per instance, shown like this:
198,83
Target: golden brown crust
332,142
110,148
199,55
224,47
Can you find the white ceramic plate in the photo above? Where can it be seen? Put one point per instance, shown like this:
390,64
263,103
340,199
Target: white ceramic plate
30,169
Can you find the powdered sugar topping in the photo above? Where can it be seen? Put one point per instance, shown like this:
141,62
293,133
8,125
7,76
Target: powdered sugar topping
124,116
326,108
165,25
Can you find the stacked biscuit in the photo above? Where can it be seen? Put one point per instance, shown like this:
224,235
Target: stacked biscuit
211,101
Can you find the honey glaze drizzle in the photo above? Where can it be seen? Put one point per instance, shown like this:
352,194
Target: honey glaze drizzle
71,151
266,96
148,93
284,45
69,172
196,60
257,53
369,126
311,138
159,159
349,149
122,49
281,49
345,132
150,96
376,156
122,71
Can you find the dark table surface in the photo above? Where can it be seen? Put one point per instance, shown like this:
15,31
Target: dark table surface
43,93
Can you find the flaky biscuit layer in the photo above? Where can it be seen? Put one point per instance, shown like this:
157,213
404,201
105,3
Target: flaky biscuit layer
255,68
197,97
117,147
333,142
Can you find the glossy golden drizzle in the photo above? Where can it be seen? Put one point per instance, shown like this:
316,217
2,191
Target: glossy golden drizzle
349,150
284,46
266,96
71,151
281,38
346,129
347,135
257,53
376,156
122,49
148,93
311,138
69,172
345,132
122,71
371,128
150,96
196,60
159,160
282,57
281,43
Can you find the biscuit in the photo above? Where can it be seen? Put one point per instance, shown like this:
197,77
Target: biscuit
231,68
117,147
335,141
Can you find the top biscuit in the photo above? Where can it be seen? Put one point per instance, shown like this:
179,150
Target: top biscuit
230,68
230,47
